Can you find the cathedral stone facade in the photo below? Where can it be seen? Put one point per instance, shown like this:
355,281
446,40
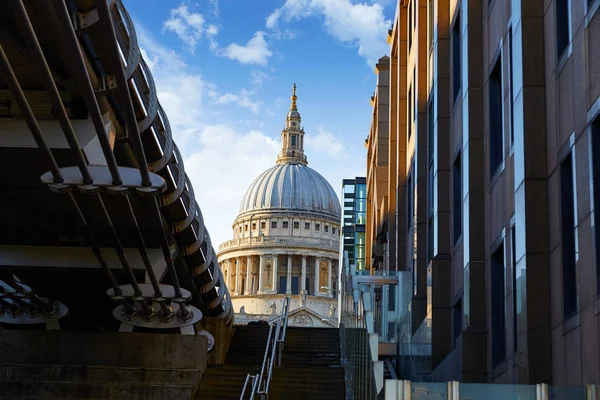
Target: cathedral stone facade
285,240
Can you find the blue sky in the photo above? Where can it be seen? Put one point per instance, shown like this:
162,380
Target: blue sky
224,71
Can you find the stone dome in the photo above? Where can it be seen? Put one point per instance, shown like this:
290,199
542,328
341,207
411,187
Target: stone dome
291,187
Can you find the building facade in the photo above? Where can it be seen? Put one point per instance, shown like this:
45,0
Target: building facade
493,122
354,193
285,240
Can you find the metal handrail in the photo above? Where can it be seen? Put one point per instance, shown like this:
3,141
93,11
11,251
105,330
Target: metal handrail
281,341
262,368
277,341
260,385
248,378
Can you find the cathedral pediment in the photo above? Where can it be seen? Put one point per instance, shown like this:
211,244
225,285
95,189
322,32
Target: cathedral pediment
305,317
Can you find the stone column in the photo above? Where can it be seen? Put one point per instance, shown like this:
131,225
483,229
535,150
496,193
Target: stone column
317,291
228,274
261,274
248,276
275,272
329,276
303,277
238,275
288,289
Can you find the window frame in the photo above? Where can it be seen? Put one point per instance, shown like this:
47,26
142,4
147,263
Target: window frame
498,306
456,57
496,111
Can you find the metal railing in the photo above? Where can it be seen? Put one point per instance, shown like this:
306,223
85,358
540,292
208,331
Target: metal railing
273,353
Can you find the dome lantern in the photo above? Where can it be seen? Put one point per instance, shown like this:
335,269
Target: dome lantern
292,136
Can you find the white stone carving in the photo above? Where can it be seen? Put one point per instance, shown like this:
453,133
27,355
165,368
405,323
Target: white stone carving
302,319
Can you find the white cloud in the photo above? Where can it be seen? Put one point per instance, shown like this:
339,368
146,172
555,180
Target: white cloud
361,25
258,77
227,162
215,7
325,142
242,99
220,158
256,50
190,27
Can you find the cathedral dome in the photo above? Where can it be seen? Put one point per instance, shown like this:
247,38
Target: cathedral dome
293,187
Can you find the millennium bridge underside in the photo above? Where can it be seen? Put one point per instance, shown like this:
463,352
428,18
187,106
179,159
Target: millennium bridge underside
99,227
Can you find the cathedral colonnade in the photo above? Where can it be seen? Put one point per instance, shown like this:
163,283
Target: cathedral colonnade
280,273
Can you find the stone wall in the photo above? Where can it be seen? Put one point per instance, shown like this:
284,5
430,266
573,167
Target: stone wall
97,365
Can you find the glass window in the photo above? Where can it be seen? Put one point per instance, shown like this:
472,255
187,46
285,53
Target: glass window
430,22
457,197
307,225
254,226
510,87
595,151
263,225
498,311
456,57
333,231
410,23
495,120
567,211
361,191
246,227
458,314
274,224
326,228
317,227
296,225
430,239
513,254
285,224
409,202
410,112
430,131
293,140
563,26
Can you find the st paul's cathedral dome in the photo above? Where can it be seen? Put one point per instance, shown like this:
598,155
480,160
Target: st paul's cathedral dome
285,239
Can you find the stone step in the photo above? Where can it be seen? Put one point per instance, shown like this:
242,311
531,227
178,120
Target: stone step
225,381
15,390
308,383
99,374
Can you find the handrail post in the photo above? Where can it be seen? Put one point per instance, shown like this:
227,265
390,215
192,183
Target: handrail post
273,354
244,388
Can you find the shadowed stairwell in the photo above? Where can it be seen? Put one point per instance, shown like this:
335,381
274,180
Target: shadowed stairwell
310,367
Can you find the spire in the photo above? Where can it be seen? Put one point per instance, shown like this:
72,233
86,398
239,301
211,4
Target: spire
294,98
292,136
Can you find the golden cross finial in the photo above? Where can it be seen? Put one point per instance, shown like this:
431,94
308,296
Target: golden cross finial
293,106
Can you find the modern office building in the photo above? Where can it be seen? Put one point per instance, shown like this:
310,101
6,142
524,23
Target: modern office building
482,158
354,216
286,239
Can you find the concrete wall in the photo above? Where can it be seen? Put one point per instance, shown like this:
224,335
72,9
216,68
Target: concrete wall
85,365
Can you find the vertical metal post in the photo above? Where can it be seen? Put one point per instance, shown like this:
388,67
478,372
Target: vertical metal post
541,391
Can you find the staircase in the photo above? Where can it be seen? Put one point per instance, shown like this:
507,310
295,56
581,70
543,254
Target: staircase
245,357
310,367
